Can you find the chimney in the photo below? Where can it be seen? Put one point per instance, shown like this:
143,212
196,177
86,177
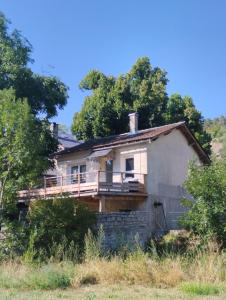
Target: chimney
133,122
54,129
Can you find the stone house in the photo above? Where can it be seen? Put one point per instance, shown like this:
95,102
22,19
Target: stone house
133,180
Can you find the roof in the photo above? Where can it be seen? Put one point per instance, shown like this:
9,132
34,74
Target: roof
141,135
67,140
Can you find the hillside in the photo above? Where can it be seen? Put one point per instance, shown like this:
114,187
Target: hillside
217,129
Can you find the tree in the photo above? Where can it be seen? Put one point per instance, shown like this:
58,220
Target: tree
25,146
45,94
142,89
182,108
105,111
207,214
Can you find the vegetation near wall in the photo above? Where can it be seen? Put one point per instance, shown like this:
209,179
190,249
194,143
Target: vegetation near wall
50,229
200,272
207,214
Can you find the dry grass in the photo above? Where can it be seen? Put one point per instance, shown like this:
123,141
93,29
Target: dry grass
137,269
140,269
208,268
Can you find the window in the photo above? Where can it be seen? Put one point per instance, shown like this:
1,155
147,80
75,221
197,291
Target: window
129,167
82,173
79,169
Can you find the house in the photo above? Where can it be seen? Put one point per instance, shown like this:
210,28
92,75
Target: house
134,180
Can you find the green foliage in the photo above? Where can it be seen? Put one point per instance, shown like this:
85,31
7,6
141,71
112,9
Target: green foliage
53,229
94,245
217,129
200,288
207,216
142,89
48,277
182,108
45,94
58,221
21,164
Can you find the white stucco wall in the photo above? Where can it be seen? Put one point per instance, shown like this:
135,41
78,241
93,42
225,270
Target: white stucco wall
168,161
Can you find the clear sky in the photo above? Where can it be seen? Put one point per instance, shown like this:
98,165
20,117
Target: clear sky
187,38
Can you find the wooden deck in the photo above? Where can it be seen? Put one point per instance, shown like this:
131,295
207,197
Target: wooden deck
89,184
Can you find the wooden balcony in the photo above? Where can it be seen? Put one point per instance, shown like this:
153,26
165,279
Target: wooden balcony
89,184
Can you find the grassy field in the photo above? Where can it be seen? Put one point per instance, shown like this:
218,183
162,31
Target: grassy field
103,292
138,276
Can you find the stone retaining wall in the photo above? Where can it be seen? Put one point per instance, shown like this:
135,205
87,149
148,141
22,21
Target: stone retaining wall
124,227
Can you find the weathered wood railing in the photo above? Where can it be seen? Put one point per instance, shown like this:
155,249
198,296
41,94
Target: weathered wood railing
87,183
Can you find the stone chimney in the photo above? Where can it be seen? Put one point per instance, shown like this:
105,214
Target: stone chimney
54,129
133,122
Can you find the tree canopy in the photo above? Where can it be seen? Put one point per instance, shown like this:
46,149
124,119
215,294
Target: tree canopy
143,90
45,94
25,140
25,145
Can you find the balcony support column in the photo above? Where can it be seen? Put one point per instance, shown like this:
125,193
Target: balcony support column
102,204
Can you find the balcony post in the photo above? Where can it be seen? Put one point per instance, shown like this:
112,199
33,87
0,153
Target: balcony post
102,204
78,184
98,180
122,187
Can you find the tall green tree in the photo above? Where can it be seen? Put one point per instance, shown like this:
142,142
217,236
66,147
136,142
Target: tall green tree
25,145
105,111
183,108
142,89
45,94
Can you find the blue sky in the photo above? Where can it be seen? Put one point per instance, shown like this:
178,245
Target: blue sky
71,37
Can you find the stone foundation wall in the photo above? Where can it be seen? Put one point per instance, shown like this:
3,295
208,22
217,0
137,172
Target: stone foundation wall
125,227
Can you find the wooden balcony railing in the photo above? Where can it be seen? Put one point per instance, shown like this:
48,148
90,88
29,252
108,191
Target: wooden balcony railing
83,184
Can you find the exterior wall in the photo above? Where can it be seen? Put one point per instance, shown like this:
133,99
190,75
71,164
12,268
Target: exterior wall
165,161
168,162
138,151
124,227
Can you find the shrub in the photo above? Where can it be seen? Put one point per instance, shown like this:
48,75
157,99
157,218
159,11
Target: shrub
53,229
207,214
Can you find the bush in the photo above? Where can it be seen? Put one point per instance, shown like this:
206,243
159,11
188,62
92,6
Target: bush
207,214
54,229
